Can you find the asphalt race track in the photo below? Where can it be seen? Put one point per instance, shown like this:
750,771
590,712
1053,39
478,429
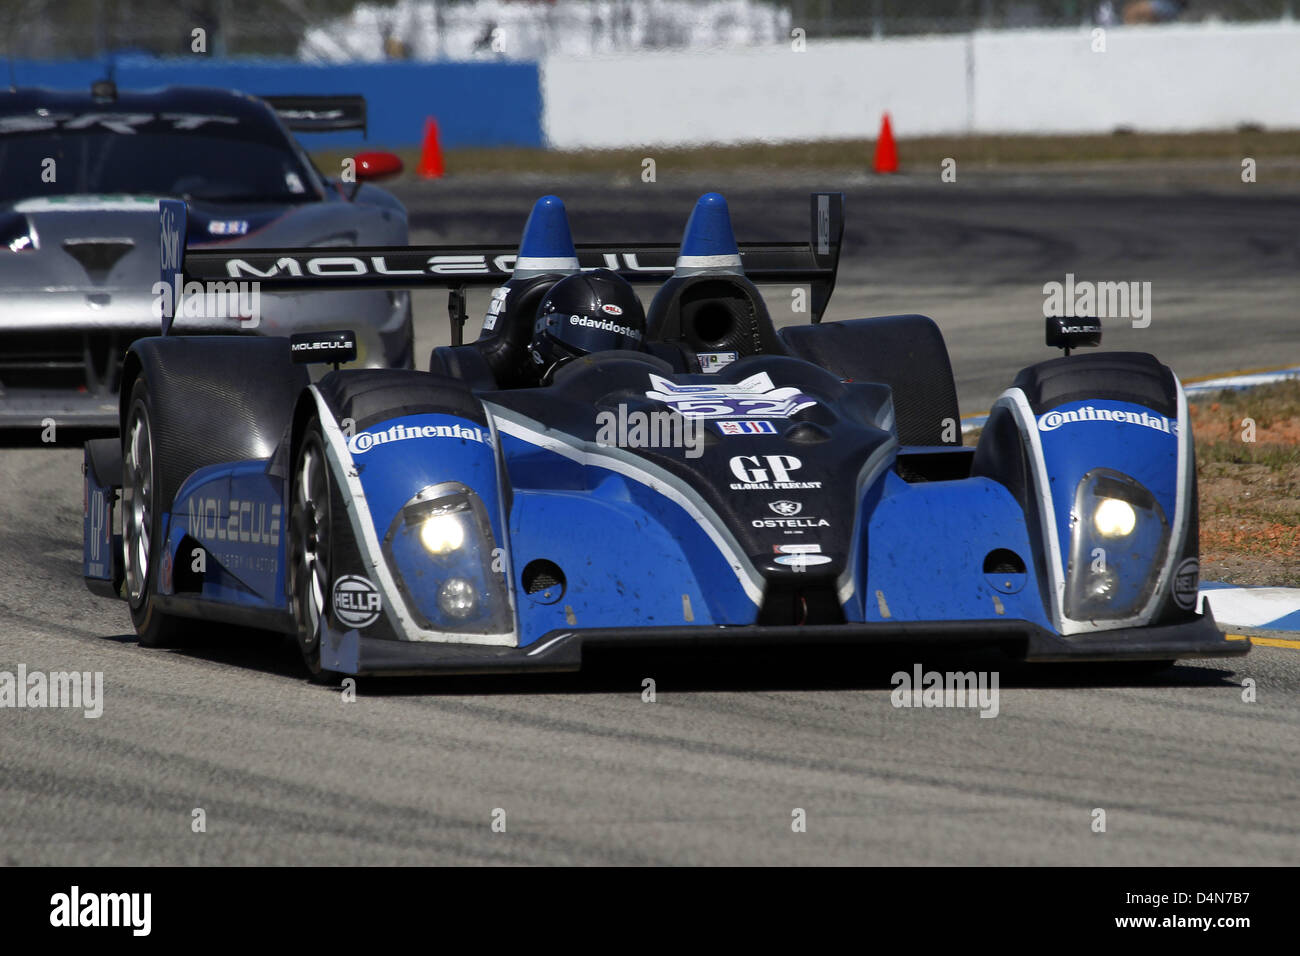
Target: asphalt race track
584,769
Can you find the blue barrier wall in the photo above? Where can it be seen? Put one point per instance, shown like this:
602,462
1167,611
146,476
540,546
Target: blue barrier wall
476,104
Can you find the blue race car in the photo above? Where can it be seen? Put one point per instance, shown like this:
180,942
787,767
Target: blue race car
707,480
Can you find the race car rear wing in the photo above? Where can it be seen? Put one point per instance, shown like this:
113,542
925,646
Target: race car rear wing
321,114
813,263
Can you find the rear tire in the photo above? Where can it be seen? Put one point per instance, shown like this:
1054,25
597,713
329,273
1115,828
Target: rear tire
905,352
142,543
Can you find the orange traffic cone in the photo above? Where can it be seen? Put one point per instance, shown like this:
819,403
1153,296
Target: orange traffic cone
886,160
431,156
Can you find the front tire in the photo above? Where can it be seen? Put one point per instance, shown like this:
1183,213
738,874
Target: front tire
141,524
310,547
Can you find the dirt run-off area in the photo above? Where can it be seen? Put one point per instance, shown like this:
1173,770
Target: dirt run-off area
1249,484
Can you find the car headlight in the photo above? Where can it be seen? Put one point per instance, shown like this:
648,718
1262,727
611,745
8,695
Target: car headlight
458,598
441,549
1119,539
1114,518
442,533
17,234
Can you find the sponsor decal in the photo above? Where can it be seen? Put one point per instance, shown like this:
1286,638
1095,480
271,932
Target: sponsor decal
337,344
171,241
98,534
88,203
398,264
609,308
802,560
353,266
753,397
711,362
785,508
234,521
310,114
124,124
790,523
362,442
228,227
356,601
748,426
604,325
767,473
1187,579
796,549
1054,419
495,307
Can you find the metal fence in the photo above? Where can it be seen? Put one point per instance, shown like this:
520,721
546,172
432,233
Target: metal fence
912,17
80,28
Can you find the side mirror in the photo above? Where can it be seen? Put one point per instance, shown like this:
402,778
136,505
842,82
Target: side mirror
372,167
306,348
1073,333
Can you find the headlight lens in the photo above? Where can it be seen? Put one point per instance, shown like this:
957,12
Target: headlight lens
457,598
441,549
1114,518
441,533
1119,539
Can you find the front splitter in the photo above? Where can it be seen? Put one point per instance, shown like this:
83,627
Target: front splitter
562,650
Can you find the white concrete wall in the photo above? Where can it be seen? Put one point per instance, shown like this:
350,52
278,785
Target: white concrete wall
1159,79
834,90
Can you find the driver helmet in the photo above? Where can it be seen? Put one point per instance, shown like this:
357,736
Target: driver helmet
588,312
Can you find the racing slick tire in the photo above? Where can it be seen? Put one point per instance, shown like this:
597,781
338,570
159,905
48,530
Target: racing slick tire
313,503
142,511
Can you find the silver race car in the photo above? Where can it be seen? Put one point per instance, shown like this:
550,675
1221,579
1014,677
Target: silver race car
81,174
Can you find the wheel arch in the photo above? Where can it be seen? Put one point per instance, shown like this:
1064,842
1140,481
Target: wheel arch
214,399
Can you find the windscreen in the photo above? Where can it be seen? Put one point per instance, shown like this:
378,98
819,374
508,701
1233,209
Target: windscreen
192,156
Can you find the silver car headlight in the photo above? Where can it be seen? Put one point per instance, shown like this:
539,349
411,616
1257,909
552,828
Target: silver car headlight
17,234
1119,539
442,552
